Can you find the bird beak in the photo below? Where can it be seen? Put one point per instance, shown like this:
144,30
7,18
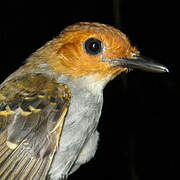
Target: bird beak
140,62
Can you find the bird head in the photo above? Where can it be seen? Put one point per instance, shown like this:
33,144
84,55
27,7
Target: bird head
96,49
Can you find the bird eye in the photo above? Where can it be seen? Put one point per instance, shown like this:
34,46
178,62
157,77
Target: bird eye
93,46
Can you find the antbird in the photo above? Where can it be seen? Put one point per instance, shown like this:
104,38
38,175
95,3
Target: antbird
50,106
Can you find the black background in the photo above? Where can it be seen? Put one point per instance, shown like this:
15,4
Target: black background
139,126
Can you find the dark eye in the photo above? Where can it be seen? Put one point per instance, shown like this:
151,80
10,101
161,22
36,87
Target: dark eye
93,46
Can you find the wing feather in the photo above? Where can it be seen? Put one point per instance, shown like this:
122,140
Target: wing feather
32,113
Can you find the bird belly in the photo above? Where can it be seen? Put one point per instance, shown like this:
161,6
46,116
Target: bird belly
87,153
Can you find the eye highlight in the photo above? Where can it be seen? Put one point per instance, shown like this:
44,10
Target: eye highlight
93,46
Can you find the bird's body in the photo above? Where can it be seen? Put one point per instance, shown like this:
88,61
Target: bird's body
50,106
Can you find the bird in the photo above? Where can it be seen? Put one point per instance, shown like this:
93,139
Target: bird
50,107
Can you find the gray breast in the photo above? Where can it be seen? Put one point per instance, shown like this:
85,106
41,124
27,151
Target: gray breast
83,114
81,121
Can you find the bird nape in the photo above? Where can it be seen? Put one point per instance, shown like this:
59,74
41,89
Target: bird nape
50,107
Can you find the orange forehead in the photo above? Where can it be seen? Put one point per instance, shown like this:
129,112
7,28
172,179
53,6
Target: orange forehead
115,41
71,58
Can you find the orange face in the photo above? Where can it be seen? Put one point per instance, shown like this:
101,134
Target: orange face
88,48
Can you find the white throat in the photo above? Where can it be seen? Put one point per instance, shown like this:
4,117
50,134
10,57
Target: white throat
93,84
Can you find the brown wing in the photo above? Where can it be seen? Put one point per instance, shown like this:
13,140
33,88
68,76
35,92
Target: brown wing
32,113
